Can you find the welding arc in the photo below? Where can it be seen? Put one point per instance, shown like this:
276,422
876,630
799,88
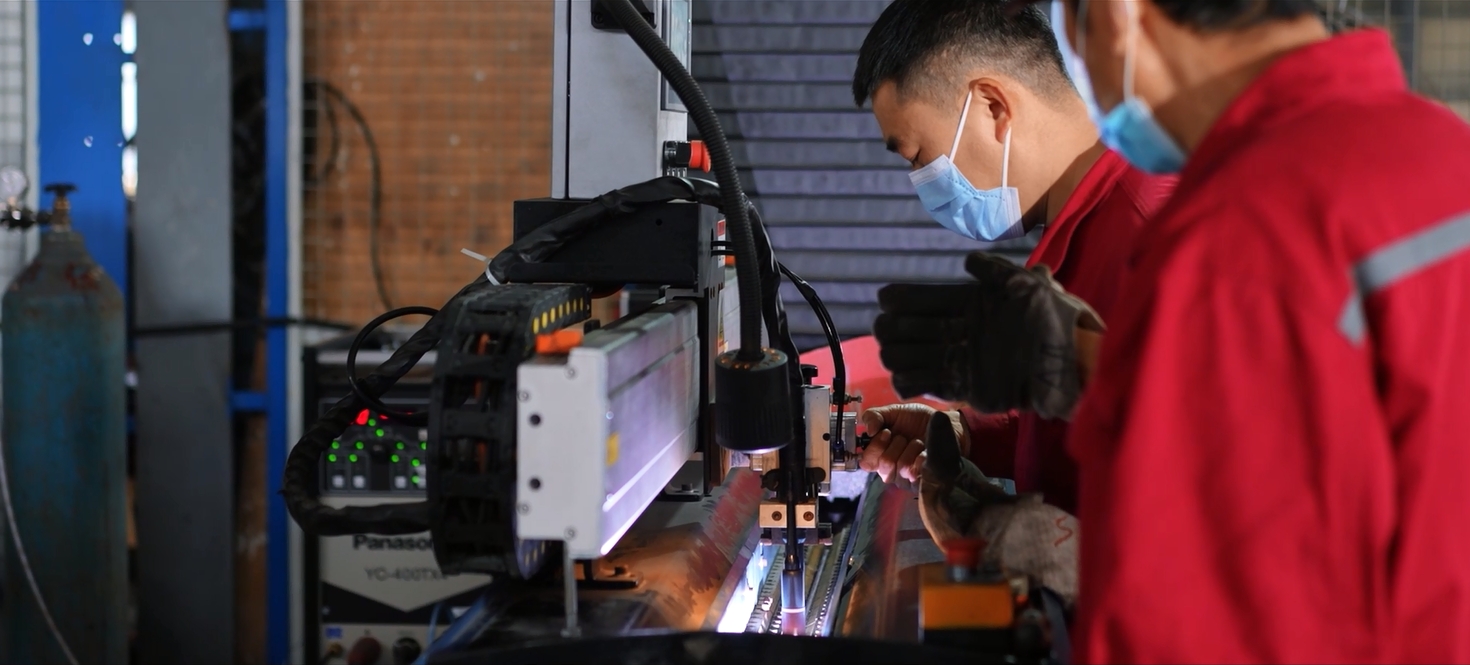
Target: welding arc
742,233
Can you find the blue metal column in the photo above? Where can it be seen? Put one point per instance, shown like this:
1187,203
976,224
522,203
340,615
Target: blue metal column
79,132
278,299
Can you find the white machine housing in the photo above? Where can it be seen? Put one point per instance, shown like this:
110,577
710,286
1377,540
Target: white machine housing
611,109
601,431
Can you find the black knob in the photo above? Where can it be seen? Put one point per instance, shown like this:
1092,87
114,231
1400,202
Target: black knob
406,651
61,188
808,374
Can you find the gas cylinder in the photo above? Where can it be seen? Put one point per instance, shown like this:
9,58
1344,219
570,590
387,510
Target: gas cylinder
65,452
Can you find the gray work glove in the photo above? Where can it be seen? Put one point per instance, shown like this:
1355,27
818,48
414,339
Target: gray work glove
1022,534
1004,341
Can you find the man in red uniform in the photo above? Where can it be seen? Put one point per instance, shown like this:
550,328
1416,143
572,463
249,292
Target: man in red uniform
1272,447
919,63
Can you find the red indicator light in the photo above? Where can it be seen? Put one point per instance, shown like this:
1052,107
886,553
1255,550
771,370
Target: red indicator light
382,417
362,417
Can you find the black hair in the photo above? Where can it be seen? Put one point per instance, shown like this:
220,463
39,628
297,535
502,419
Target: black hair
924,45
1220,15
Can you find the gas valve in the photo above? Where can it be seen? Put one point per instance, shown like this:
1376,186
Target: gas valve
14,214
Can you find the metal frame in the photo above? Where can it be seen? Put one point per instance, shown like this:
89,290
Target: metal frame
281,20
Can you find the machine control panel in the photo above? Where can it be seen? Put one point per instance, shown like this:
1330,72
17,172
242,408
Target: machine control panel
376,455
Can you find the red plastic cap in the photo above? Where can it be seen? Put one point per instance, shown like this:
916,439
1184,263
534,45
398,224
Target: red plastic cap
963,552
699,156
366,651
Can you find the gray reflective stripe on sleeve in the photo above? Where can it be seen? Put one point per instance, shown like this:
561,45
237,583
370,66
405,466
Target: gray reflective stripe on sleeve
1403,258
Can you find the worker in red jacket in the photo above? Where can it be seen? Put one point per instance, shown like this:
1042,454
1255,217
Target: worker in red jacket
975,97
1272,445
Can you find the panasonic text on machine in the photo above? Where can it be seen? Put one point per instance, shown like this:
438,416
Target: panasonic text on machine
407,544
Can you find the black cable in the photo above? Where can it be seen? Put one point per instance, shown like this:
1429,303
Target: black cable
362,335
741,230
222,326
302,464
834,343
334,148
375,201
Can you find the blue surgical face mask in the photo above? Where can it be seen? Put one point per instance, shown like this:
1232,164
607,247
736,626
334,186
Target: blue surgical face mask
988,215
1076,69
1130,128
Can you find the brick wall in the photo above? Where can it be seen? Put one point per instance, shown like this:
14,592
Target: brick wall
457,94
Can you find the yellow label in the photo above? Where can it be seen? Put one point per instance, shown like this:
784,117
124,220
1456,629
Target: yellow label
612,449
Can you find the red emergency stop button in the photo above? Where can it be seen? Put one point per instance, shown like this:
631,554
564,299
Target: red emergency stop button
366,651
699,156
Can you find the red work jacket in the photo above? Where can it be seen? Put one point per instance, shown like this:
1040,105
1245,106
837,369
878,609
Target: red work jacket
1087,247
1275,463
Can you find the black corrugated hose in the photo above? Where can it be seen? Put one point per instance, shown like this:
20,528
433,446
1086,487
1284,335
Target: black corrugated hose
742,233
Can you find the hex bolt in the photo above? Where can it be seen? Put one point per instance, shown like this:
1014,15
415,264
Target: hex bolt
808,516
776,515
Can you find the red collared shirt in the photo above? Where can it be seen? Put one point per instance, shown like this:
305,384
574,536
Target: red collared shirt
1087,247
1275,466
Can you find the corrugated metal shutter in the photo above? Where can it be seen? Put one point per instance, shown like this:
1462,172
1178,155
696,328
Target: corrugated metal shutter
839,207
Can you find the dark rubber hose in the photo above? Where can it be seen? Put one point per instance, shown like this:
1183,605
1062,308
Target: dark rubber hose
742,235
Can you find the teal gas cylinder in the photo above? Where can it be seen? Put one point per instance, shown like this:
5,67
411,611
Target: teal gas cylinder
64,432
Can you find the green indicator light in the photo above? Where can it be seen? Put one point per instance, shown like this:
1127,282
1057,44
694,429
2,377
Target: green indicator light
423,445
359,445
372,423
416,480
336,445
379,433
395,459
415,461
400,445
352,458
331,458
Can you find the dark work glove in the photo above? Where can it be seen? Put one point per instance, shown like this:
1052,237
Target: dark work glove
1004,341
1022,534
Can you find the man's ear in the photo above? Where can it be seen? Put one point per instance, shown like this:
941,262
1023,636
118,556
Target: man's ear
994,105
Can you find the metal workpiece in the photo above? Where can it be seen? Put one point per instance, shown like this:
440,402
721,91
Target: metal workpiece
602,430
675,570
826,569
884,568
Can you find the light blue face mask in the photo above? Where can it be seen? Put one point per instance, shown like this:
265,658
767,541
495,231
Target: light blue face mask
1130,128
988,215
1076,70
